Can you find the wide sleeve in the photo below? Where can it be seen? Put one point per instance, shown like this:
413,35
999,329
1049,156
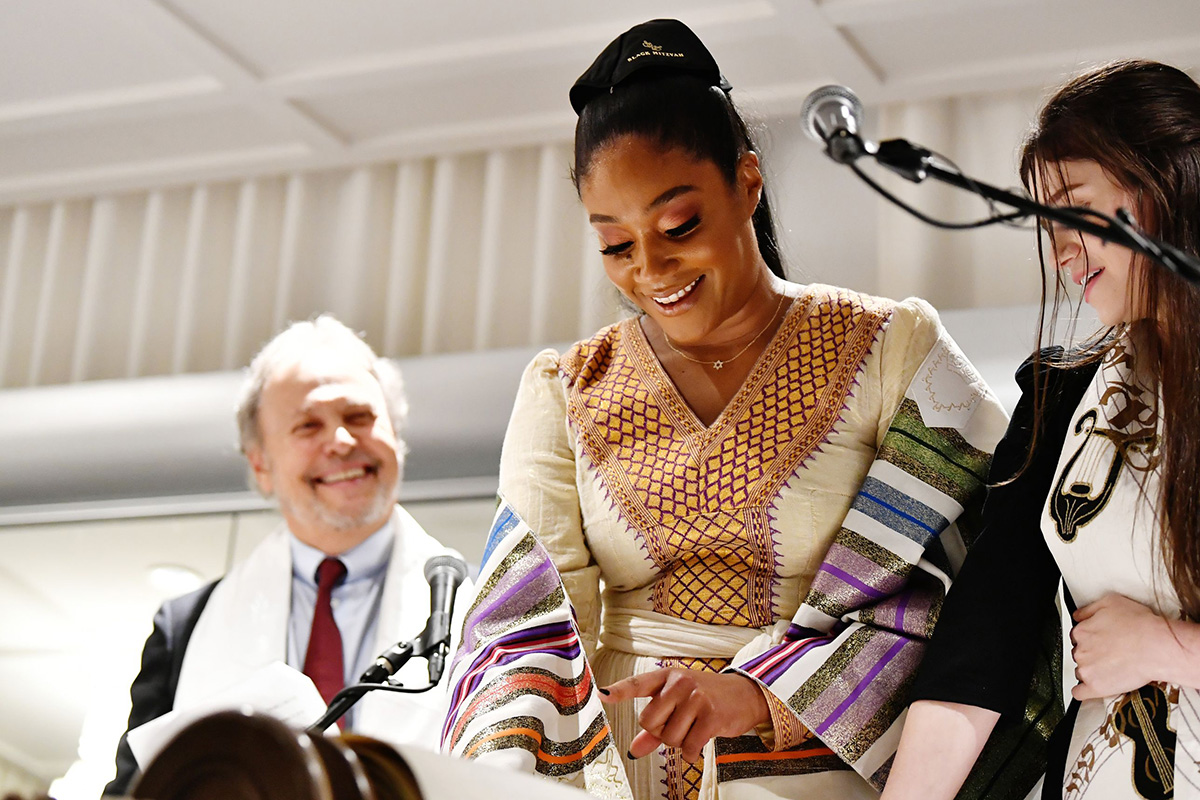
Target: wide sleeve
847,660
522,692
537,481
988,665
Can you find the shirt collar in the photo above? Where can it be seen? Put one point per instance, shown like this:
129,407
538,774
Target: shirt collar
365,560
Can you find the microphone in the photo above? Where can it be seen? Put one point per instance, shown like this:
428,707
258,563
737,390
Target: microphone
444,573
832,115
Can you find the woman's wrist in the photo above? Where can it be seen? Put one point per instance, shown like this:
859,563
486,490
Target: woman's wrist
1178,657
759,709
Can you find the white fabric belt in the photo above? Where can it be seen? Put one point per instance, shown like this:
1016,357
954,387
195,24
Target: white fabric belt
648,633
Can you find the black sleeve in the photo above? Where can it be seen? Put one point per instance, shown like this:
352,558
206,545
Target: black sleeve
984,647
153,690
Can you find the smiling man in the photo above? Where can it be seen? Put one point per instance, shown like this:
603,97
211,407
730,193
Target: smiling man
341,580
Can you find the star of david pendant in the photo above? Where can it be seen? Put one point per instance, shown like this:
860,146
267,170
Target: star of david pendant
718,364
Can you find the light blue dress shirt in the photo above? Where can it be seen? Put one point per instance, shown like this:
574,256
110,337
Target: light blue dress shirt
355,601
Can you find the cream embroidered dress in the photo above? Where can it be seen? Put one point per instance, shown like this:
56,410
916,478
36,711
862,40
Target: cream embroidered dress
681,544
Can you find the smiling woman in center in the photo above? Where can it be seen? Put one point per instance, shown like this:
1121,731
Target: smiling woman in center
749,487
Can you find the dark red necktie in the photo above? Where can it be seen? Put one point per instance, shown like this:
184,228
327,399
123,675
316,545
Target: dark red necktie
323,661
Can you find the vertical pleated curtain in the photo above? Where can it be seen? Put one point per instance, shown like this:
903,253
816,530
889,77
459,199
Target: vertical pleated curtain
433,255
443,254
993,266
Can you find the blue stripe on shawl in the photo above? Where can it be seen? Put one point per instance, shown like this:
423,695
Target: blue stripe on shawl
506,519
899,511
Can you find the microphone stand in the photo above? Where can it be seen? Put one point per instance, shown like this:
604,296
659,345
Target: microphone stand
444,573
916,163
377,677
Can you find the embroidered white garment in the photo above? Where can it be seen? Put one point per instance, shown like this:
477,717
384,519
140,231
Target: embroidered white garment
1100,525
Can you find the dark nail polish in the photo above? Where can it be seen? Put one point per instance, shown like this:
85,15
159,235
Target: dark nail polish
629,755
602,691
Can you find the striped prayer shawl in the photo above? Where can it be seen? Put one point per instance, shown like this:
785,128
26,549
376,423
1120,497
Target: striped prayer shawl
850,654
522,693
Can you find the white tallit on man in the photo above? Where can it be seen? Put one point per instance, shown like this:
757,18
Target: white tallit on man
319,420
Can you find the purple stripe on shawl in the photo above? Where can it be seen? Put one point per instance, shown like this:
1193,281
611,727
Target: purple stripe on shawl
848,579
530,583
908,612
855,563
521,642
919,607
892,652
568,652
768,676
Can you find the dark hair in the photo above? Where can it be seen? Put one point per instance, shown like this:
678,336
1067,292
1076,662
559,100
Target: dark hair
1140,121
676,111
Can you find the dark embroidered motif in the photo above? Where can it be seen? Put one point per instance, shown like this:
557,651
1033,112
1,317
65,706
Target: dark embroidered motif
1142,717
1073,506
1086,483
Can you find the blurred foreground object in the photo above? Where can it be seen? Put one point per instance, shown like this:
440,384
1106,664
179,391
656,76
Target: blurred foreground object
241,756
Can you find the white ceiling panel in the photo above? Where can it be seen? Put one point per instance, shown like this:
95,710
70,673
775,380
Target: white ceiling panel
770,58
102,96
320,35
111,143
1066,33
439,102
65,49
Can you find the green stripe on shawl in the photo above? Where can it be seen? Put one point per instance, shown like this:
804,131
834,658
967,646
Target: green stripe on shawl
874,552
909,445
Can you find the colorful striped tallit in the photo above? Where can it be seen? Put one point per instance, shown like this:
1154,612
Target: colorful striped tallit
522,694
850,654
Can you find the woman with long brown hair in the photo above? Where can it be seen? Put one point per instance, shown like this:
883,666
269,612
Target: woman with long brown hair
1097,480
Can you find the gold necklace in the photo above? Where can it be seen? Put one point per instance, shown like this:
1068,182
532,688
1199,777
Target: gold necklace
722,362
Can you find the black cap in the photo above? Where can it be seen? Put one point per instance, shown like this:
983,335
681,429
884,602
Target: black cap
657,45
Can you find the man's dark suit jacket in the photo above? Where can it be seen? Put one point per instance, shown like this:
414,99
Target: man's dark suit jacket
153,691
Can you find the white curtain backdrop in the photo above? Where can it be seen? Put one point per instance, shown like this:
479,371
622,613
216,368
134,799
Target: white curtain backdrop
994,266
456,252
433,255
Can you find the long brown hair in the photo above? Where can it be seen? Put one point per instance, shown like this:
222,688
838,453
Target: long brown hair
1140,121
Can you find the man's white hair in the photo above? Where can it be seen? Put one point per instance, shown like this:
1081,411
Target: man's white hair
289,346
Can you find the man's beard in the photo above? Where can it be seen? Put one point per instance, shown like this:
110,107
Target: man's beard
316,513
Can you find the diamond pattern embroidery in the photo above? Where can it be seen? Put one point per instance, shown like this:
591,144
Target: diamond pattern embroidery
699,497
684,778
